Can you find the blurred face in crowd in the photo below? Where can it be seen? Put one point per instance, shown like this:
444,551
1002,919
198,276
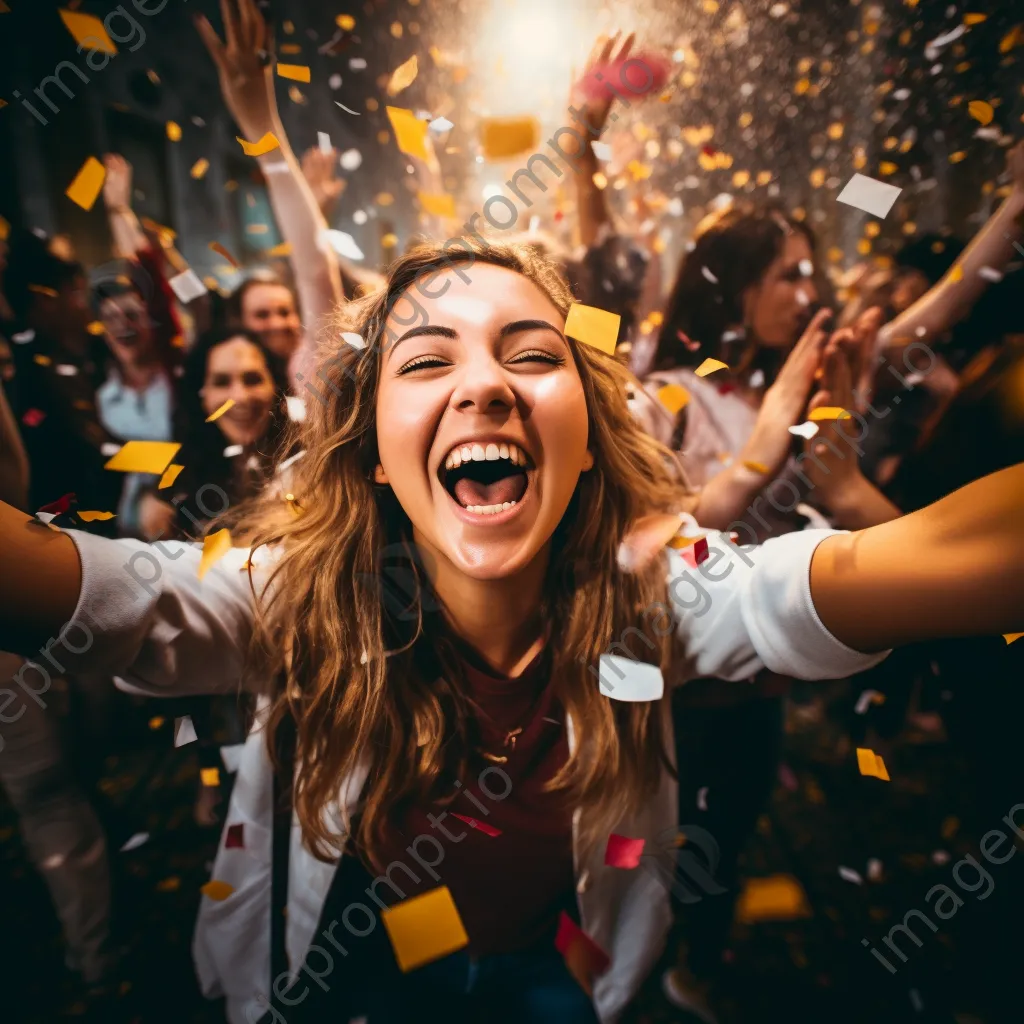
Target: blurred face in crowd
129,334
237,370
269,311
908,287
780,305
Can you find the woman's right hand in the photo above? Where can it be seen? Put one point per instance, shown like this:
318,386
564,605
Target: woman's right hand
605,51
117,185
784,402
245,72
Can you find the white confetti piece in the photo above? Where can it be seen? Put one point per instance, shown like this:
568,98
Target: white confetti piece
874,870
702,798
939,43
46,517
806,268
353,339
135,842
869,194
343,244
865,700
296,409
351,160
232,756
629,680
708,276
359,218
440,125
334,81
290,461
357,64
109,448
348,110
988,273
757,378
849,875
805,430
324,141
232,450
187,286
23,337
184,731
602,150
940,857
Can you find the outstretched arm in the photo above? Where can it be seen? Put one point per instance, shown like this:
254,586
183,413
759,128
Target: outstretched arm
129,238
955,568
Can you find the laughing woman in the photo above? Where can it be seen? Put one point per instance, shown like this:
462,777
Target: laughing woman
477,435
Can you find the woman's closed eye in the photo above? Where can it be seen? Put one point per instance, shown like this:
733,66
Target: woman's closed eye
529,356
537,355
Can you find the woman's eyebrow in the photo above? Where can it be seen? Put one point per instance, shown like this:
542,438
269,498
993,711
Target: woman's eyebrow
427,330
529,325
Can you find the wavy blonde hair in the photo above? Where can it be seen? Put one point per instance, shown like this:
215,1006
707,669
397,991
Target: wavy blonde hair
401,706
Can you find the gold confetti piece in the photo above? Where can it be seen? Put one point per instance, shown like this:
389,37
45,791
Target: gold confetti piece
600,179
143,457
1011,39
504,137
172,884
221,251
710,366
265,145
215,547
438,205
199,168
871,764
345,22
174,131
257,229
981,111
290,48
656,318
1010,637
96,328
217,891
974,19
957,273
88,182
776,898
592,326
389,241
169,476
957,157
209,777
674,397
384,199
296,72
424,928
681,543
756,467
41,289
214,416
42,360
886,167
93,517
403,76
410,132
88,31
156,722
828,412
5,229
283,249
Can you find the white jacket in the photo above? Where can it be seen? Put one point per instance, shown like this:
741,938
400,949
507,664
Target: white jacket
155,623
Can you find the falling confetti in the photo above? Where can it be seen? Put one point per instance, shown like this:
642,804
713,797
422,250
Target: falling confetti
482,826
187,286
628,680
199,168
410,132
173,131
871,764
170,474
776,898
88,31
623,852
424,928
217,891
981,111
592,326
214,416
143,457
221,251
265,145
403,76
295,72
85,189
184,731
709,366
215,547
674,397
869,194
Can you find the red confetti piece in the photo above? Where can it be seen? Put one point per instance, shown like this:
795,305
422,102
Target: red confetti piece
645,73
235,838
690,344
708,150
700,550
570,934
33,417
623,852
60,506
488,830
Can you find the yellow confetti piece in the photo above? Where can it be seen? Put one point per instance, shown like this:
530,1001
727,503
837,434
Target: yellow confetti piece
41,289
199,168
710,366
1010,637
88,182
215,547
156,722
680,543
504,137
776,898
403,76
265,145
143,457
214,416
88,31
1011,39
424,928
958,156
756,467
217,891
886,167
169,476
592,326
96,328
173,131
871,764
93,517
295,72
828,412
438,205
957,273
289,48
172,884
209,777
384,199
345,22
5,229
221,251
42,360
410,132
283,249
656,318
981,111
674,397
974,19
389,241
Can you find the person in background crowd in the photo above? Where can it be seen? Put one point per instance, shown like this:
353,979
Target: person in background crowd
265,306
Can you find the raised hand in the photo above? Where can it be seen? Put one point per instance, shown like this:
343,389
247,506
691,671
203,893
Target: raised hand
320,170
595,105
117,185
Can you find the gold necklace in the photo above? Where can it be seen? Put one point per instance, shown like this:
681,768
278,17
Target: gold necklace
509,743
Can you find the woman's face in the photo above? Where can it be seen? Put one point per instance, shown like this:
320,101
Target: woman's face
236,369
269,311
126,321
481,419
781,304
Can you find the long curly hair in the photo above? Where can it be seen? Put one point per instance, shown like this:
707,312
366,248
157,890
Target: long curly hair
366,681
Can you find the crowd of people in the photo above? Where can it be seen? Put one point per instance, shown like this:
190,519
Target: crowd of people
533,484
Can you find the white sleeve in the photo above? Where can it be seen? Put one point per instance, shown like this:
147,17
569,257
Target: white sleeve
745,609
143,614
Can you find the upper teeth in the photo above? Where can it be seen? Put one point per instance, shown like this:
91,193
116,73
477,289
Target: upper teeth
484,453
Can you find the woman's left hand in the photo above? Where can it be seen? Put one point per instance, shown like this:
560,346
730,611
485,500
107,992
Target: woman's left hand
320,170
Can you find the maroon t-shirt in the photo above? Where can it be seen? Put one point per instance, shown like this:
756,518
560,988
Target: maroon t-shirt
509,889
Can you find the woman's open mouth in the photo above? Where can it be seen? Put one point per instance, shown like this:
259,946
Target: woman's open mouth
486,478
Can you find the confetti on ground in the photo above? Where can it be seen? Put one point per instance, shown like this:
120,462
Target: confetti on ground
871,764
1010,637
629,680
623,852
410,132
776,898
482,826
424,928
869,194
260,148
505,137
88,31
849,875
234,838
187,286
805,430
710,366
403,76
437,205
215,547
674,397
143,457
184,731
85,189
135,842
217,891
592,326
295,72
214,416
